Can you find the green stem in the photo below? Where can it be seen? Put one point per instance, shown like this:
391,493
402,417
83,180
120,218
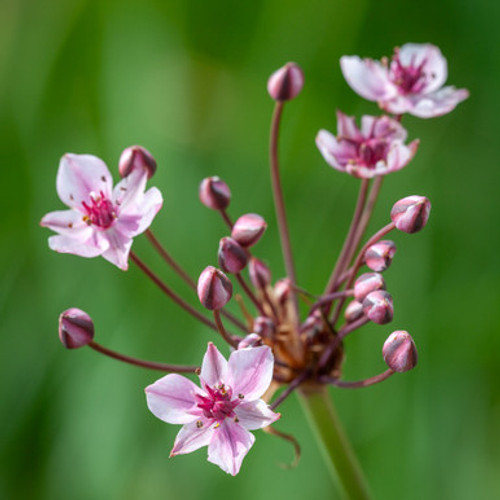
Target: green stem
332,439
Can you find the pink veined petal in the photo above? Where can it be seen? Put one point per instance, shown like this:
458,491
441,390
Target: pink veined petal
130,190
93,246
171,399
214,367
382,127
119,248
369,78
192,437
78,176
437,103
150,206
361,171
435,65
334,153
255,414
347,128
67,222
400,155
250,371
127,225
229,445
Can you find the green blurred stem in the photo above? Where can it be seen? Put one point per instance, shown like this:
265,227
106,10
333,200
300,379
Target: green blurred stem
338,454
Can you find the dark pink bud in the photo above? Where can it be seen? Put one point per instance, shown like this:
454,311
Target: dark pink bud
282,290
248,229
378,307
214,193
136,157
214,288
76,328
399,351
353,311
251,340
366,283
286,83
379,256
232,256
264,327
260,274
411,213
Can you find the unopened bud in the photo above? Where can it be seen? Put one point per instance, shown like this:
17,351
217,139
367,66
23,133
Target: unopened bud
366,283
136,157
378,307
263,326
353,311
248,229
286,83
251,340
214,193
379,256
411,213
232,256
76,328
214,288
282,290
260,274
400,352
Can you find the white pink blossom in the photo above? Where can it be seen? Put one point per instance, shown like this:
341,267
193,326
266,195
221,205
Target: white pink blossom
220,413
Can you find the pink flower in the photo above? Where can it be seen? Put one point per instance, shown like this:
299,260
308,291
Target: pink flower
101,220
411,83
376,149
223,410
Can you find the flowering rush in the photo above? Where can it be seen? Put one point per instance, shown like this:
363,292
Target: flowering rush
276,348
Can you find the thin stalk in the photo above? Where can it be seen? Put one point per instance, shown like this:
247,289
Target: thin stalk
152,365
359,383
226,218
339,456
170,293
279,201
328,298
291,387
250,294
232,341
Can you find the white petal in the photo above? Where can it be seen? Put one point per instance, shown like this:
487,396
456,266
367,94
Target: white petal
172,399
255,415
90,247
130,189
370,79
67,222
400,155
382,127
438,103
250,371
214,366
192,437
78,176
334,153
347,128
229,445
150,206
119,248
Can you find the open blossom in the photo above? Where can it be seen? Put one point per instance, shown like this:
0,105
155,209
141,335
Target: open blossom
411,83
221,412
376,149
101,220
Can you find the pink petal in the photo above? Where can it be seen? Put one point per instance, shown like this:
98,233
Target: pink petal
347,128
438,103
435,65
130,189
78,176
255,414
192,437
171,399
119,248
400,155
92,246
335,154
370,79
250,371
382,127
66,222
214,366
150,206
229,445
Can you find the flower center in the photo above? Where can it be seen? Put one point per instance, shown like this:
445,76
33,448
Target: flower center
409,79
371,151
218,405
100,212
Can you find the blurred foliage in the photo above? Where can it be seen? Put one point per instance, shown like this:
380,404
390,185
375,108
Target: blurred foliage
187,81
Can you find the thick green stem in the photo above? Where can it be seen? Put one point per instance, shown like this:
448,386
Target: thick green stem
340,458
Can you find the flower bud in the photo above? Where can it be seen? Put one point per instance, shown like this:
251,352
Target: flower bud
248,229
214,193
232,257
379,256
378,307
260,274
411,213
353,311
76,328
282,289
286,83
399,351
366,283
251,340
214,288
264,327
136,157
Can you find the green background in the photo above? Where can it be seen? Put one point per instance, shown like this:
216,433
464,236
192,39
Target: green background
187,80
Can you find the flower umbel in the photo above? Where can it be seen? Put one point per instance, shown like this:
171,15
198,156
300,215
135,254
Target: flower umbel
220,413
101,220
